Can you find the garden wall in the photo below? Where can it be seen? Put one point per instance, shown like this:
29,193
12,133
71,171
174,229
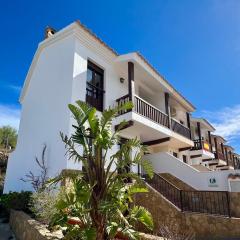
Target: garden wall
202,226
26,228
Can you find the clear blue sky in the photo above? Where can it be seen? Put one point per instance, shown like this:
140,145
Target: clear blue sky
194,44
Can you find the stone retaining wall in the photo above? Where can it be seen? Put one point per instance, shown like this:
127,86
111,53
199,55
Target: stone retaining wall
235,204
26,228
200,226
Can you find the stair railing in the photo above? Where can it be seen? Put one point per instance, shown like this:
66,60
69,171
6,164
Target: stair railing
208,202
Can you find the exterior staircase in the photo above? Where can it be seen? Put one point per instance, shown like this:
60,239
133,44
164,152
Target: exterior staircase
190,200
176,182
201,168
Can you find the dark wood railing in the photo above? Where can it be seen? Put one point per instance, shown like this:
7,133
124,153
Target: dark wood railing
147,110
219,155
200,144
197,145
121,101
208,202
180,129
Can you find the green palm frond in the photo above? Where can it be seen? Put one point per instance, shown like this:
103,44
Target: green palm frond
141,214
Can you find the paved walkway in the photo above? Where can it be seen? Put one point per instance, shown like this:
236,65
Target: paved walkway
5,231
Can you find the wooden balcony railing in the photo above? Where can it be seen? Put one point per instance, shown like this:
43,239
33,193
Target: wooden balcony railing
208,202
201,144
147,110
121,101
180,129
219,155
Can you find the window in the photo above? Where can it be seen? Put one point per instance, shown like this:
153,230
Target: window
95,89
175,154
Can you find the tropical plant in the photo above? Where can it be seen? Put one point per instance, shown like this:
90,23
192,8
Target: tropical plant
8,137
100,203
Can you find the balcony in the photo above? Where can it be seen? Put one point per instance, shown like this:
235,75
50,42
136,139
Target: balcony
203,149
201,144
219,155
152,113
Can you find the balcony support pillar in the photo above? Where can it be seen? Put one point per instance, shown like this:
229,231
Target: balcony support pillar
216,148
131,80
167,109
189,124
210,140
199,134
226,155
223,150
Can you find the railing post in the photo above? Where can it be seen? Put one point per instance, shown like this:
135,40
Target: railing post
181,201
228,204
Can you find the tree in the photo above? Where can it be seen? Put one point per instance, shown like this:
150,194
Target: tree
100,196
8,137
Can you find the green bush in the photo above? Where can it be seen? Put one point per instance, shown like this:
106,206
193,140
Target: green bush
16,201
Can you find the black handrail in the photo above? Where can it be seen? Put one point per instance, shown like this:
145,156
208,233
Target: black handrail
209,202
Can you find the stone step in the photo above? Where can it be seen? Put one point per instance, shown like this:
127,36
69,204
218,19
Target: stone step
176,182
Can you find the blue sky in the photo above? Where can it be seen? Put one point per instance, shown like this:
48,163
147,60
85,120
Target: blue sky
194,44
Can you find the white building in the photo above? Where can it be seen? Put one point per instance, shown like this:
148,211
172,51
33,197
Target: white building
74,64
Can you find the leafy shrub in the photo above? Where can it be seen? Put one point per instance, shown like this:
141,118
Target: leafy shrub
16,201
43,204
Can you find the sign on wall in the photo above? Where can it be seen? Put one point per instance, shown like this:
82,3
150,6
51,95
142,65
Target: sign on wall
212,182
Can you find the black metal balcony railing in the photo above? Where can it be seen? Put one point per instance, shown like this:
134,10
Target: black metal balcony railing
147,110
180,129
208,202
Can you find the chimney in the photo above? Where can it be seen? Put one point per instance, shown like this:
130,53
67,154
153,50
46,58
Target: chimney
49,31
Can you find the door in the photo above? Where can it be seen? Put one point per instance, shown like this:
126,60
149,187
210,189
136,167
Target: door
95,88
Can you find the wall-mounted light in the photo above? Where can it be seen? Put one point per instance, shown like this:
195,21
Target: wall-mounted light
122,80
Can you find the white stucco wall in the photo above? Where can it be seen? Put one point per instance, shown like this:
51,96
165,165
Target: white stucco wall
59,78
44,115
166,163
